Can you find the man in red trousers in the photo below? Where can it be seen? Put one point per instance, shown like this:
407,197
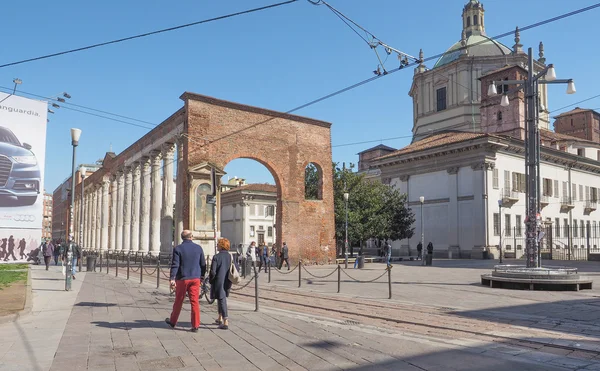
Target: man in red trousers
187,270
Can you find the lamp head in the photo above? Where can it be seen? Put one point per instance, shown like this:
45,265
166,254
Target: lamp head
551,73
75,134
571,87
500,203
492,90
346,196
504,102
82,171
422,199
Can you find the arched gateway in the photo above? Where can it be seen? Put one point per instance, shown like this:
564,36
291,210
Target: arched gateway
128,203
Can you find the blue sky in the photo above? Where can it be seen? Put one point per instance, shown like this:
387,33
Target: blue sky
277,59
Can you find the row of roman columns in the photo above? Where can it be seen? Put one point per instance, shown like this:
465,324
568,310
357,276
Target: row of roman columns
132,209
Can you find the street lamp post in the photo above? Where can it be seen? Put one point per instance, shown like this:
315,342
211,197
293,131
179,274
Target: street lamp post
422,200
82,171
500,227
532,147
75,134
346,195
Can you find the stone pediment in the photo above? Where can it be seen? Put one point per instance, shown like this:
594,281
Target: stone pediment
205,169
440,80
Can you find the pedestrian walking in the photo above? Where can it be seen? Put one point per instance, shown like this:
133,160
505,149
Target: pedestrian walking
420,251
388,252
284,256
188,267
11,249
74,256
251,254
22,245
57,252
220,284
48,250
264,257
3,252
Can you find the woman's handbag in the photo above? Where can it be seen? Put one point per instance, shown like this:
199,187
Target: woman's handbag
234,275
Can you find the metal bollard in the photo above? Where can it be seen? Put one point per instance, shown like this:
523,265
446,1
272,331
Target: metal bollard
117,266
128,261
389,269
107,262
299,273
255,290
339,278
269,273
158,271
142,269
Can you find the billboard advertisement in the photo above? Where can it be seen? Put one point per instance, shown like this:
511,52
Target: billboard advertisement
22,155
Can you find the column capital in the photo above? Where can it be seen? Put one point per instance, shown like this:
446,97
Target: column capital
168,150
453,170
404,178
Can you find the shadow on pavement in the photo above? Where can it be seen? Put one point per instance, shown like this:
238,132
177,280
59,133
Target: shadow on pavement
94,304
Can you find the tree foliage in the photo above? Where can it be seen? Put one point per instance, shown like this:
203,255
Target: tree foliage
375,210
312,182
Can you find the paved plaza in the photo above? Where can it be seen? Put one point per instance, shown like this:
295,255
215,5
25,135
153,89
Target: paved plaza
439,318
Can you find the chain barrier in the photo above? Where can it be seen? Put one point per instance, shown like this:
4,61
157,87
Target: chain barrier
167,276
150,274
245,285
315,276
134,270
288,272
370,281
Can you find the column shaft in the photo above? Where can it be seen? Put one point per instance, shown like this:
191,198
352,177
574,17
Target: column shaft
94,218
156,202
135,208
166,223
105,215
112,196
127,209
179,193
119,213
145,206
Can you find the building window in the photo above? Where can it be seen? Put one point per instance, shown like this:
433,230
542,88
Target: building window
557,227
581,192
547,187
506,180
475,20
261,210
593,194
270,232
251,231
203,216
563,148
581,152
573,192
518,182
555,188
496,224
518,226
441,99
261,227
575,228
495,179
598,155
507,226
468,21
566,226
499,116
252,209
313,182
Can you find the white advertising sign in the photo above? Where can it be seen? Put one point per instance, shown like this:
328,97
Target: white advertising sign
22,156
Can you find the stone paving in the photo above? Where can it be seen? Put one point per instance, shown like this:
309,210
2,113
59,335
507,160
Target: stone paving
115,324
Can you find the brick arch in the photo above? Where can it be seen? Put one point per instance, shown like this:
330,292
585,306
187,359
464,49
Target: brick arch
218,132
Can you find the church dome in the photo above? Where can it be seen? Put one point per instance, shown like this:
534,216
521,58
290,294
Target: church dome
477,46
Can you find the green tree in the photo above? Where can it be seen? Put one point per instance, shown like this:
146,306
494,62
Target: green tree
312,182
375,210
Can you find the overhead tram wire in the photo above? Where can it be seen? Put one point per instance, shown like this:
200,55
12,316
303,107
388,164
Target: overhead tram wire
148,34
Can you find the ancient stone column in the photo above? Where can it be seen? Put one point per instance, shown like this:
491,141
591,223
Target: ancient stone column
135,208
105,216
112,233
179,193
166,222
90,212
155,202
145,205
95,224
127,208
120,193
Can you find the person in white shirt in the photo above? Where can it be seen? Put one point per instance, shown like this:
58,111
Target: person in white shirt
251,253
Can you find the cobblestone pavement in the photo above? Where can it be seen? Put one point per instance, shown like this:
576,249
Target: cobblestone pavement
117,324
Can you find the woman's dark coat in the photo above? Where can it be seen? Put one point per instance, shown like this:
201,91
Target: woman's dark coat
219,275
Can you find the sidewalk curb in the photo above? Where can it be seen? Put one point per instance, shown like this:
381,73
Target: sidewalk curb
28,302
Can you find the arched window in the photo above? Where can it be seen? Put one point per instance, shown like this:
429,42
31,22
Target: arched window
475,20
468,21
203,215
499,115
313,182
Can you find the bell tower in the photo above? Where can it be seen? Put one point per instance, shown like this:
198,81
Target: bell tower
473,18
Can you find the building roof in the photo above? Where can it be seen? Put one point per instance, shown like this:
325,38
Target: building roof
576,110
270,188
477,46
378,147
436,140
557,137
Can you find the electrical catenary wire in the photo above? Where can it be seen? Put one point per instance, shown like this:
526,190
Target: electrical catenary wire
147,34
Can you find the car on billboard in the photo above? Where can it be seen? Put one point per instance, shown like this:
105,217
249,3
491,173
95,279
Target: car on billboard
20,175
